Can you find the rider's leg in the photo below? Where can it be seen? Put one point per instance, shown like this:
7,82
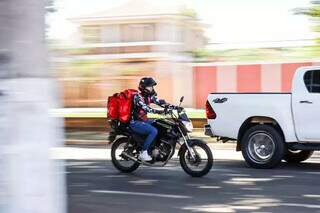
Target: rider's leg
145,128
151,136
150,121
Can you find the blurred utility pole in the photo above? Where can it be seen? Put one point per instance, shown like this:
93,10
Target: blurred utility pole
30,182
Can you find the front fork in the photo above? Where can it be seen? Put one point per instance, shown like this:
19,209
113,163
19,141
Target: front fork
186,138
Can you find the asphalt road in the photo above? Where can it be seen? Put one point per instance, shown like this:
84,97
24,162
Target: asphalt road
94,186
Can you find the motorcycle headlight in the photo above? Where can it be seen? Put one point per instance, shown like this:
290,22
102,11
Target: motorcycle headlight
188,125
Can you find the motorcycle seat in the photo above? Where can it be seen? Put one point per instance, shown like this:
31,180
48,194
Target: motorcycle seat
124,128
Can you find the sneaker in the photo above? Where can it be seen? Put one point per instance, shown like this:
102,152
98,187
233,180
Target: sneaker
144,156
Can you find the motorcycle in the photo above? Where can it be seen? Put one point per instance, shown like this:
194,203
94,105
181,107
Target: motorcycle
195,156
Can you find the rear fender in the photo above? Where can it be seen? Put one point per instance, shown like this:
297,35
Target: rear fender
112,137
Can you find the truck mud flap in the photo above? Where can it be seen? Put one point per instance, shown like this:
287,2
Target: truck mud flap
208,131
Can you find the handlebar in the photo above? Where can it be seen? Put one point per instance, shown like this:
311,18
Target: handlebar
169,109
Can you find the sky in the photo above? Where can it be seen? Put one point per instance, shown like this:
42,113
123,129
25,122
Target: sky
230,21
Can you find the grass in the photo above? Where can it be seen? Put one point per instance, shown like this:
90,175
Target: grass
102,113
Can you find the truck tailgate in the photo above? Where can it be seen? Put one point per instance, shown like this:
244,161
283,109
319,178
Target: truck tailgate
233,109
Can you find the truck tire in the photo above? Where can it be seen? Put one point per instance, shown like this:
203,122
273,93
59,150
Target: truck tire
297,156
262,147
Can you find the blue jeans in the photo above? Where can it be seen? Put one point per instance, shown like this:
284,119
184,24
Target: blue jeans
145,128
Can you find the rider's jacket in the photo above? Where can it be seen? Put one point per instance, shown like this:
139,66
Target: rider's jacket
141,106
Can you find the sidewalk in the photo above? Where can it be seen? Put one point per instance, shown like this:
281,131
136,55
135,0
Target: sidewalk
94,145
98,138
220,151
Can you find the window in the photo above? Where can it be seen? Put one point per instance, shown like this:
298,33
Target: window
138,32
110,34
90,34
312,81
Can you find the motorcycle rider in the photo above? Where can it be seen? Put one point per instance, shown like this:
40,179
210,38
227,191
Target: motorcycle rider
141,106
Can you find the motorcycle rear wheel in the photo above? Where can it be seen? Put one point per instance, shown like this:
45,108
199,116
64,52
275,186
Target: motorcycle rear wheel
119,161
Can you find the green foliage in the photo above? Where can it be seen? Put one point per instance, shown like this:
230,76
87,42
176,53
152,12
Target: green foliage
189,12
201,53
83,68
269,54
258,54
50,6
314,13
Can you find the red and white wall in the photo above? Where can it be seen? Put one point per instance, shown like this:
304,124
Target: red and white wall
273,77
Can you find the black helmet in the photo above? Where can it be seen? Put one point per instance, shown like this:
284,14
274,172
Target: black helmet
147,82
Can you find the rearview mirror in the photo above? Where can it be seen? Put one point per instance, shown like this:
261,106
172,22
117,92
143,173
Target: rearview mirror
181,99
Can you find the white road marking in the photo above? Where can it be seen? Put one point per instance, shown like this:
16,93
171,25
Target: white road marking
141,194
303,205
312,196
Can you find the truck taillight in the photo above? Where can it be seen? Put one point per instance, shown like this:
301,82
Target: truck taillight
211,114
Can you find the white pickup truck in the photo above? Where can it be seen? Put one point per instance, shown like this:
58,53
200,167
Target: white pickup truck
269,127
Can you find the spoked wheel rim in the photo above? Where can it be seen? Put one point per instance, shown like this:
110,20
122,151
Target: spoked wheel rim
261,147
200,161
120,156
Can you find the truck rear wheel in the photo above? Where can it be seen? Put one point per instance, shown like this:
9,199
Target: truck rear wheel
262,147
297,156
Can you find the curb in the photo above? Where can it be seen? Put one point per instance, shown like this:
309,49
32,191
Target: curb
72,142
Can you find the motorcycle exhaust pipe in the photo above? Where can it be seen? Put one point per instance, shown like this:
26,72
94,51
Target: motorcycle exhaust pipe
142,162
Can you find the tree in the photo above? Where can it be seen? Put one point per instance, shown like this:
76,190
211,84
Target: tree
30,181
50,7
314,13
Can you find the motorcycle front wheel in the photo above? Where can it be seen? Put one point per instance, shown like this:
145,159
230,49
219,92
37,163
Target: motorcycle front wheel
203,161
121,162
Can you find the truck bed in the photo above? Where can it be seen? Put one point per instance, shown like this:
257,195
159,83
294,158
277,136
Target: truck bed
238,107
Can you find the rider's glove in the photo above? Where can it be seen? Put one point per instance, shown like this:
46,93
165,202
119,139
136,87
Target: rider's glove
167,109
